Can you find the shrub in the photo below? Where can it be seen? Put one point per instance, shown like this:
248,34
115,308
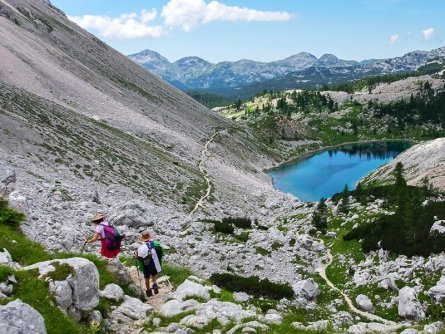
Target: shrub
224,228
238,222
253,286
243,237
9,216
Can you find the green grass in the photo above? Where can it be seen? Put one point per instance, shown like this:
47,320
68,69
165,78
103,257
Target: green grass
34,291
177,274
61,272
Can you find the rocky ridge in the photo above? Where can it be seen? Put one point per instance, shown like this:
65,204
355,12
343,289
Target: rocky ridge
298,71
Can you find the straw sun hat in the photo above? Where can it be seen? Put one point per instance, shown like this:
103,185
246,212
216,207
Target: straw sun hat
145,236
97,216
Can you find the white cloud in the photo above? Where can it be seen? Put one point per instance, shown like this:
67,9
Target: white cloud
126,26
428,34
188,14
393,39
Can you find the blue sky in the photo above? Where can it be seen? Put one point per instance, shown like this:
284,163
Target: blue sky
263,30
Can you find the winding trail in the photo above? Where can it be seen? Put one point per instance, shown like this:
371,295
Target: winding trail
322,271
203,159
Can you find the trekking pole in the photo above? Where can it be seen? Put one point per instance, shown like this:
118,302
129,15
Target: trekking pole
83,247
139,278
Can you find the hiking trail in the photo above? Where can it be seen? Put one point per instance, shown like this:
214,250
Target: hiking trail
322,272
203,159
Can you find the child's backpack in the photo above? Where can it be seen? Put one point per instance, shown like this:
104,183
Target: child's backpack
113,238
159,252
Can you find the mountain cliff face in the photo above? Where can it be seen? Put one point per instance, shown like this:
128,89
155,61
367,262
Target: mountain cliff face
80,121
422,162
246,77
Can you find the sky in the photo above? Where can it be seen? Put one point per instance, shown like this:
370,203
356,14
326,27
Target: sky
263,30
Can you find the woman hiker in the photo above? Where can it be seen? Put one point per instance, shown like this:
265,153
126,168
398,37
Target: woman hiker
148,262
99,221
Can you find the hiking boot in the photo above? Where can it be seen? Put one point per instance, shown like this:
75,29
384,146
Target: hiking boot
149,293
155,288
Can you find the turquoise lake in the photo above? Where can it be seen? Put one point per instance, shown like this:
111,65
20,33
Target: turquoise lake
326,173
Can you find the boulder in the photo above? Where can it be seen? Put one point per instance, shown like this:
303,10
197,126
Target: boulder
241,297
307,289
131,309
17,317
273,319
119,272
134,214
317,326
409,307
80,288
434,328
5,257
113,292
438,228
190,289
250,324
7,180
364,303
174,307
437,292
409,331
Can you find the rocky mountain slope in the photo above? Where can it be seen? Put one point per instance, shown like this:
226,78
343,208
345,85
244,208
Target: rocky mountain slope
247,77
425,161
79,118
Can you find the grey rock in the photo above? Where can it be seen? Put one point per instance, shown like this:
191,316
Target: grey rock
272,318
131,309
7,180
364,303
307,289
174,307
113,292
251,324
434,328
5,257
409,331
409,307
17,317
119,272
437,292
241,297
63,293
95,316
317,326
156,322
190,289
6,288
83,282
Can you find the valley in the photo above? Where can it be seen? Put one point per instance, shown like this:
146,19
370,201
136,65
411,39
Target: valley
83,129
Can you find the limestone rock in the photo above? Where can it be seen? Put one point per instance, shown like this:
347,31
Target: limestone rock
113,292
364,303
5,257
409,331
190,289
119,272
438,291
409,307
131,309
241,297
434,328
83,283
7,180
17,317
174,307
307,289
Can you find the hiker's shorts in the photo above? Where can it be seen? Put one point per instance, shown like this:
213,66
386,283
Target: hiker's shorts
150,270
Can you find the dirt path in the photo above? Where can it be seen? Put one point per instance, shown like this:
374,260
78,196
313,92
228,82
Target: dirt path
204,173
322,271
155,301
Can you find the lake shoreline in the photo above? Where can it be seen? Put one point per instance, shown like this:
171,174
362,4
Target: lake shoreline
326,148
314,173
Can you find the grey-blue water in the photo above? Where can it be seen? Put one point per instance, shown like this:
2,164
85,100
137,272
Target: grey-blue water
326,173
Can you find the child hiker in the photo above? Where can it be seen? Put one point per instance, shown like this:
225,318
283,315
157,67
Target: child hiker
149,257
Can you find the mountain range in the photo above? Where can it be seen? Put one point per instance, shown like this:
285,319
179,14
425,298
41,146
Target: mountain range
303,70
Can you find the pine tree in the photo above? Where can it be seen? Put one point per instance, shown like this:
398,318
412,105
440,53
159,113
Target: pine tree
344,205
319,218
